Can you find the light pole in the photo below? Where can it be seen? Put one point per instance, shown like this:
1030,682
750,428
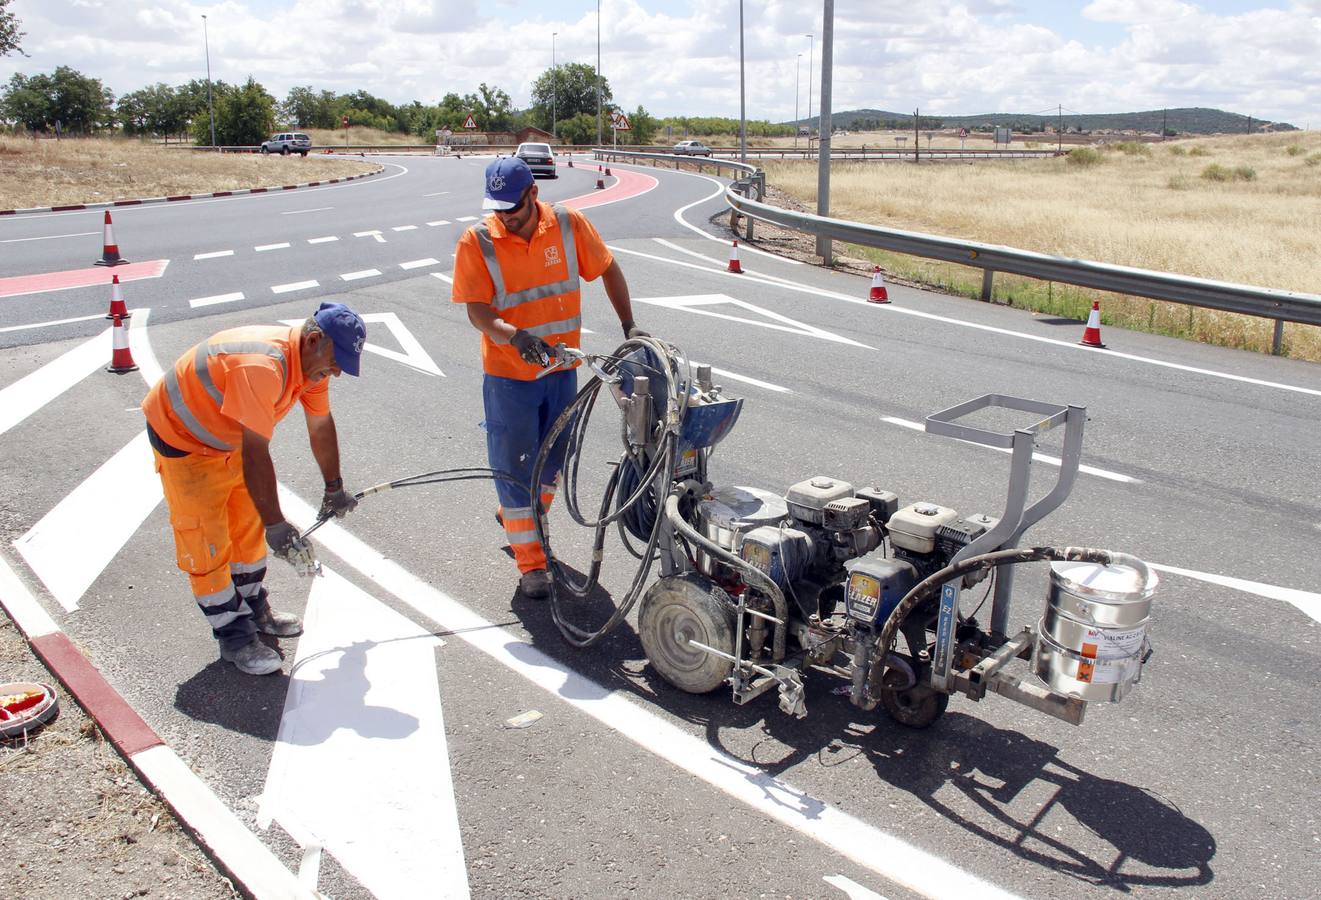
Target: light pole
206,39
798,73
553,84
742,94
598,73
811,44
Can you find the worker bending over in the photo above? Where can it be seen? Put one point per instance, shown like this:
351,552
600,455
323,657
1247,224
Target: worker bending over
210,421
518,271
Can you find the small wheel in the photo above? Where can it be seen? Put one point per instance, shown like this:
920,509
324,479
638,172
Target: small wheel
678,609
917,707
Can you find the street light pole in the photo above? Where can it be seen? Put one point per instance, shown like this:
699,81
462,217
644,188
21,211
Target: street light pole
554,85
742,94
811,44
206,38
598,73
798,71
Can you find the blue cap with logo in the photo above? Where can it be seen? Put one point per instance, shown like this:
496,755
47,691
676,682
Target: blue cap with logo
346,331
506,180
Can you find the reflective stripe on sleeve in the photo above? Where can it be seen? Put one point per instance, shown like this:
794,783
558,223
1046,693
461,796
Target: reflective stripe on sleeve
175,398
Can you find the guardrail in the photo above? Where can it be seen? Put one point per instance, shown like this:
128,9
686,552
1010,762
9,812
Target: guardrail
1268,303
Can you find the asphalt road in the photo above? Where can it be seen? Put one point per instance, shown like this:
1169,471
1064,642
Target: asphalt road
1202,782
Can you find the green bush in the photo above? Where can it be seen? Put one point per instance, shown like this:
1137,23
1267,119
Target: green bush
1199,151
1217,172
1179,182
1084,156
1176,150
1133,148
1313,160
1294,150
1245,173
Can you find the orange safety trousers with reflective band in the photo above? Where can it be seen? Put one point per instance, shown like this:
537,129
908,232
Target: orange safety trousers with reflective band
521,531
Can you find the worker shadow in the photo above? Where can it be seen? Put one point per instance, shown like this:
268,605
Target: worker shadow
1010,790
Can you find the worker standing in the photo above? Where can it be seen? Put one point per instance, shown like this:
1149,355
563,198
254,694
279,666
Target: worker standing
210,420
518,273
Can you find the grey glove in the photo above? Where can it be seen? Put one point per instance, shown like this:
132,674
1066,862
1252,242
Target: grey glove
285,544
633,331
337,502
532,348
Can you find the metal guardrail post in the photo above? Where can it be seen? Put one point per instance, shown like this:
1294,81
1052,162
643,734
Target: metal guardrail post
988,276
1277,339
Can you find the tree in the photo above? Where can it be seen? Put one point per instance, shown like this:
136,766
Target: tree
29,101
643,127
67,96
573,87
245,116
304,108
9,33
581,129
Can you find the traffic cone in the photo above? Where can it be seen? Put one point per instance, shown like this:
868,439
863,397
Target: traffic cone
734,264
878,292
110,250
117,307
121,358
1091,335
570,162
607,172
600,184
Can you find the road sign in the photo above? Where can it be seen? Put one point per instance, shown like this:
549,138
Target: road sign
621,123
470,122
345,122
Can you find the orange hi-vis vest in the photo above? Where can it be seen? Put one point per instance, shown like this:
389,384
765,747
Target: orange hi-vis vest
533,285
246,377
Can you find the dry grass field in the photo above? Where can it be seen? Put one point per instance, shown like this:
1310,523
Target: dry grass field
94,170
359,136
1236,208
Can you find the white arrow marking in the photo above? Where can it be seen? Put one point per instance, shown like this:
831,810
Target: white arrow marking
360,765
34,390
1306,601
695,304
412,356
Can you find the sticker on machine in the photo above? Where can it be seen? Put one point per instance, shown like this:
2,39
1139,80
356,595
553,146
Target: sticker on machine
1115,653
863,597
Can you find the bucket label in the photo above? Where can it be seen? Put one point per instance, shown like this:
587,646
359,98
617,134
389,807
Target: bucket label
1115,654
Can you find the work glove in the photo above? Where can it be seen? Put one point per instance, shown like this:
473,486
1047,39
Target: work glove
532,348
285,544
336,501
633,331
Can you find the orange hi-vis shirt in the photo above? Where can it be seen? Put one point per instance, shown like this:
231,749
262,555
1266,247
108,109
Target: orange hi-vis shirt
246,377
533,285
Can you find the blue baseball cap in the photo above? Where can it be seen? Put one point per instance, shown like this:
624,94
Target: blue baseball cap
346,331
506,180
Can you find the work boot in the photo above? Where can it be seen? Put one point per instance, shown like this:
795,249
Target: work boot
279,624
253,658
535,585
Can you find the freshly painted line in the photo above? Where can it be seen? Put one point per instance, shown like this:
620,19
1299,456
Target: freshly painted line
28,614
213,255
309,867
890,308
443,277
724,263
413,355
364,273
627,186
322,240
851,888
439,221
363,697
73,543
696,303
404,228
724,373
466,219
139,342
52,322
34,390
720,189
1307,602
419,263
78,278
293,286
217,298
1039,457
48,237
264,247
299,212
380,238
775,798
436,194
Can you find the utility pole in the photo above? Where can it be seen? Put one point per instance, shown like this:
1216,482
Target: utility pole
811,44
742,94
1164,113
917,117
798,68
823,137
1059,130
598,73
206,38
554,86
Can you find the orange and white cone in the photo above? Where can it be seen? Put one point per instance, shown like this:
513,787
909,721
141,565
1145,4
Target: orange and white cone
1091,335
570,162
600,184
109,249
878,292
121,358
734,264
607,172
117,307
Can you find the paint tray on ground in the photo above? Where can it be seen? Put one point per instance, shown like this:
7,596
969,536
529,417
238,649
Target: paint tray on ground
25,706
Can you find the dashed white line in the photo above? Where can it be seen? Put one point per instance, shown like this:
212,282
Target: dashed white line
419,263
52,322
724,373
218,298
435,194
439,222
264,247
376,233
48,237
404,228
365,273
213,255
295,212
293,286
466,219
322,240
442,276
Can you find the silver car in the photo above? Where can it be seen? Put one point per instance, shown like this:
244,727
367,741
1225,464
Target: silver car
539,158
691,148
287,142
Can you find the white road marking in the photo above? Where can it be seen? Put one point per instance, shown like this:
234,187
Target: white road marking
419,263
436,194
372,234
264,247
839,832
466,219
719,191
218,298
439,221
1307,602
139,343
725,373
23,608
216,254
322,240
49,237
309,867
697,303
443,277
52,322
299,212
413,355
363,698
1039,457
293,286
34,390
722,263
404,228
75,541
365,273
850,887
890,308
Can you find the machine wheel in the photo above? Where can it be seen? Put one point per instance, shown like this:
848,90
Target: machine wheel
284,151
265,151
675,610
916,707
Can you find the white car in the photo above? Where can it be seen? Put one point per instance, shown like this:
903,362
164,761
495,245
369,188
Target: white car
287,142
539,158
691,148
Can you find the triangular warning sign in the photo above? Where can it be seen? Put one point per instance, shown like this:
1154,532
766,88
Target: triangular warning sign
470,122
621,123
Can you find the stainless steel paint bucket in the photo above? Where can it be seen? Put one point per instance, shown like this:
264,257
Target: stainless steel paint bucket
1092,639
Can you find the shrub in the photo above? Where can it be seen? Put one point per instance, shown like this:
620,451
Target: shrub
1245,173
1294,150
1313,160
1217,172
1084,156
1179,182
1176,150
1133,148
1199,151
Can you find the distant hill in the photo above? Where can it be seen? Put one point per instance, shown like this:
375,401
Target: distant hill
1188,120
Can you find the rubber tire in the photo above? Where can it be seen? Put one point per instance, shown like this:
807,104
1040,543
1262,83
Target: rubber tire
284,151
265,151
917,708
303,154
683,605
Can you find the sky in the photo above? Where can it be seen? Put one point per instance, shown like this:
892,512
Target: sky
1255,57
